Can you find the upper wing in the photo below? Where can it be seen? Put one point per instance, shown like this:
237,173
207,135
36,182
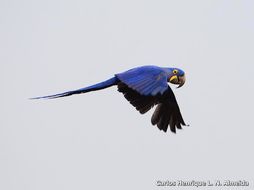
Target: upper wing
147,80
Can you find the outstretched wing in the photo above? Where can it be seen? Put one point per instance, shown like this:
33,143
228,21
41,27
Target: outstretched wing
140,102
167,112
146,80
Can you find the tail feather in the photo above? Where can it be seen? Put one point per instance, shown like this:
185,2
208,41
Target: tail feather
99,86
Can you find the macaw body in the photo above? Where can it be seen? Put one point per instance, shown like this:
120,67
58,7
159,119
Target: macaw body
145,87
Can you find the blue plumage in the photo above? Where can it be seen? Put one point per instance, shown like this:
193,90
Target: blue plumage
149,80
99,86
145,87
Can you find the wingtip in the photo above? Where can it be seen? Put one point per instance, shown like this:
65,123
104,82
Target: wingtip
173,131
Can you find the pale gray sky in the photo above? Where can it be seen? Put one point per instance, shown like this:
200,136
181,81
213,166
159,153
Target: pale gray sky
98,140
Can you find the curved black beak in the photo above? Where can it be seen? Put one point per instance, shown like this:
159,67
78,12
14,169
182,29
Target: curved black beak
181,81
177,80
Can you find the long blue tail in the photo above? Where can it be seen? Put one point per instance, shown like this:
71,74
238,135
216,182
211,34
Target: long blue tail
99,86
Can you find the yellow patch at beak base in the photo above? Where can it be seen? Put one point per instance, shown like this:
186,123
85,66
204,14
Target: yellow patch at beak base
177,80
173,79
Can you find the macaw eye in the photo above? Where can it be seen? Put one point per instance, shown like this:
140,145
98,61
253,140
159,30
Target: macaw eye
175,71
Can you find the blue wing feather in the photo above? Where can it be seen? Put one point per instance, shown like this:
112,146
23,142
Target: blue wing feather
147,80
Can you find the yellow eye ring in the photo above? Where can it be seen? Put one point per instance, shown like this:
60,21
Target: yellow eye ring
175,71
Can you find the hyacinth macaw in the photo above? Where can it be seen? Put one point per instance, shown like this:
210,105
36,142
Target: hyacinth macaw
145,87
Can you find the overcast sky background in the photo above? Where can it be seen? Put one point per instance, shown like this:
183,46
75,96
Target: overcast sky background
98,140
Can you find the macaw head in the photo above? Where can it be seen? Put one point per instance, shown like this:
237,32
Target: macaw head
176,76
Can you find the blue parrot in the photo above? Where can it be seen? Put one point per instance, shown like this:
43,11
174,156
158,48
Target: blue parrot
145,87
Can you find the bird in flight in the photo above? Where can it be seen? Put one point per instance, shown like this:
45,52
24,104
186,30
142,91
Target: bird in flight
145,87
